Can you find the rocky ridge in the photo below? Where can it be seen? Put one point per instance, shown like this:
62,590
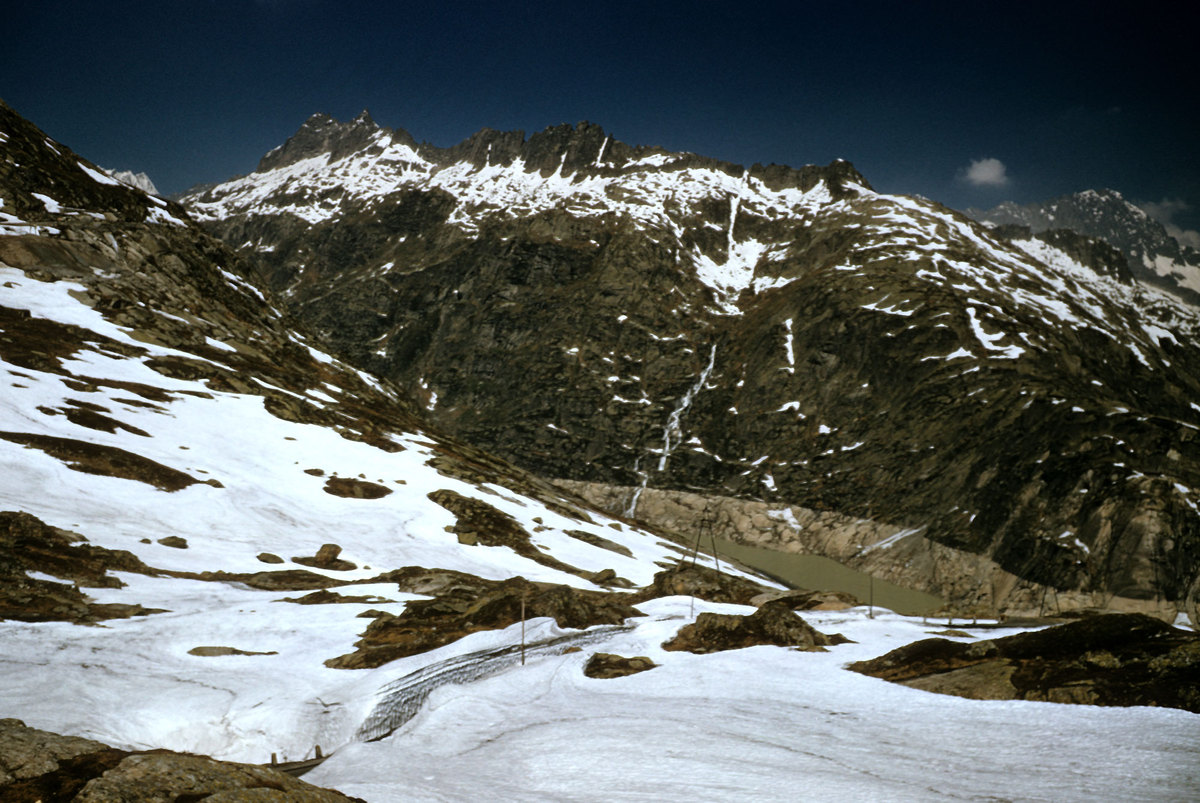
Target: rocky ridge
1152,255
636,319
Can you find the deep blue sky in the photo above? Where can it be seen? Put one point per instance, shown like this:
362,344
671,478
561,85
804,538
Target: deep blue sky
1067,96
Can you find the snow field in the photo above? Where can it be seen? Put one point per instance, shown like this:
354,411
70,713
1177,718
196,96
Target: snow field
761,723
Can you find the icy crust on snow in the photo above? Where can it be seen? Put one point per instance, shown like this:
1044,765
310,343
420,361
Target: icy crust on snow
758,724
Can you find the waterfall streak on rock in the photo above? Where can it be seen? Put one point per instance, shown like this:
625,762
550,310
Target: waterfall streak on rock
673,428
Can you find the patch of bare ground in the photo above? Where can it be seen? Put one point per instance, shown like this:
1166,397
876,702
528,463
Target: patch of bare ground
351,488
108,461
326,597
480,523
28,544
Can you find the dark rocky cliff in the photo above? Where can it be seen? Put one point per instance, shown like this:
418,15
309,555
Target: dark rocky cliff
628,317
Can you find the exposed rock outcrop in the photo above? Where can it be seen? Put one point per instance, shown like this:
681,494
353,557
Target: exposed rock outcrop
1115,659
773,623
606,665
471,606
37,765
27,544
694,580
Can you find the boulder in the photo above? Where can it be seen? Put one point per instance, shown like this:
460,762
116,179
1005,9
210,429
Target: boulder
606,665
327,558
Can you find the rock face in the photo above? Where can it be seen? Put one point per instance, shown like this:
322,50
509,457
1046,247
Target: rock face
773,623
37,765
1116,659
639,319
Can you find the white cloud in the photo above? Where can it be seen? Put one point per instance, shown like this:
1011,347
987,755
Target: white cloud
987,172
1165,211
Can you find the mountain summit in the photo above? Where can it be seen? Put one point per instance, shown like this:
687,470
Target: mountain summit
782,356
1153,255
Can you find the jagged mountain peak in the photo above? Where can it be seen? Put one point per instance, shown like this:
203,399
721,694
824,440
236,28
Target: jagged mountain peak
139,180
1153,255
577,151
322,134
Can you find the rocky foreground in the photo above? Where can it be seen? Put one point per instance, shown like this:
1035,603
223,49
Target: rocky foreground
1118,659
37,765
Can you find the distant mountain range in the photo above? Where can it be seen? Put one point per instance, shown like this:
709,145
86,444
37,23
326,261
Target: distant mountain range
1154,257
783,356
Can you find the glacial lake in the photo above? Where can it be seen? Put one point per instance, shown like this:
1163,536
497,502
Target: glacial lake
818,573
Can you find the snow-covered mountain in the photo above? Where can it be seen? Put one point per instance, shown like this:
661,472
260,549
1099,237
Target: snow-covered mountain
1154,256
783,356
275,552
139,180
